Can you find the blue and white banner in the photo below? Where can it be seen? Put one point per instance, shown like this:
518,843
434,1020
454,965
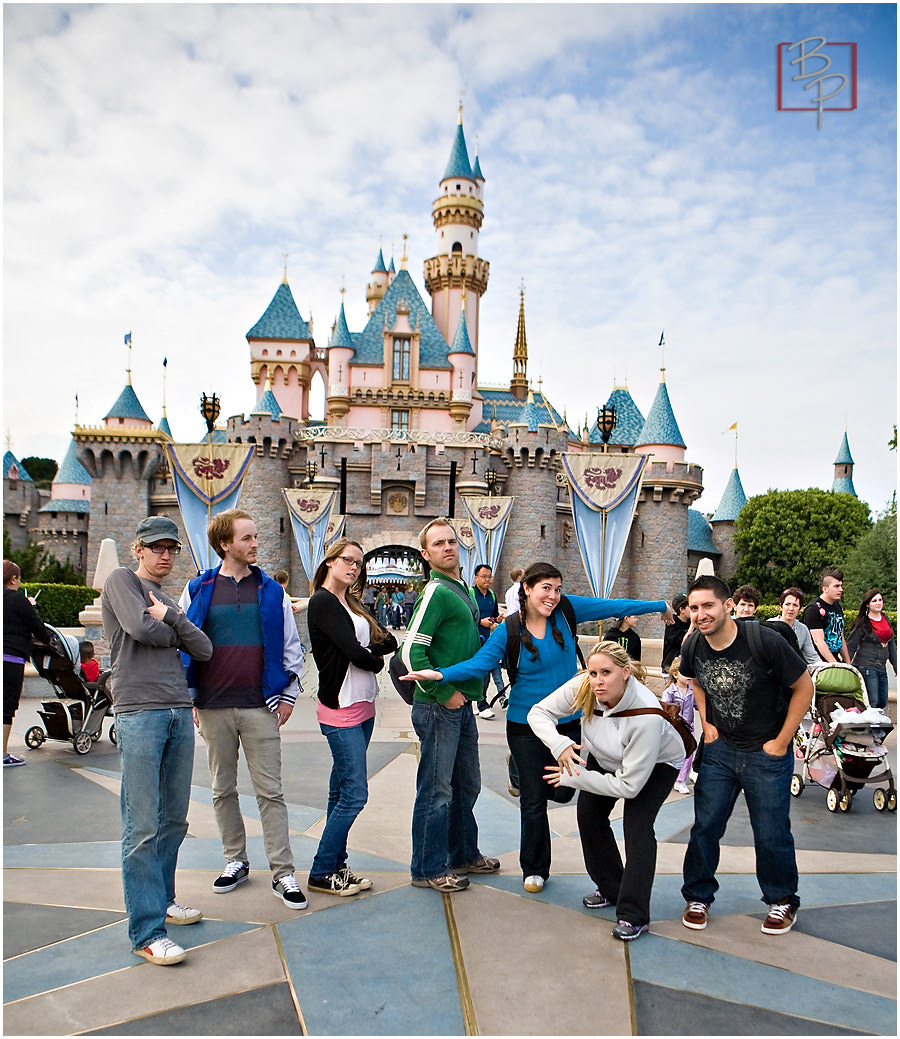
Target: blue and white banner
207,480
604,491
489,518
465,536
335,528
310,512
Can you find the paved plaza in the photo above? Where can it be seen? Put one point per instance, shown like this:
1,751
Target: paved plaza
399,960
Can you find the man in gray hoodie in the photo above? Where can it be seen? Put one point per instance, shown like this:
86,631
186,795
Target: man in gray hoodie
154,732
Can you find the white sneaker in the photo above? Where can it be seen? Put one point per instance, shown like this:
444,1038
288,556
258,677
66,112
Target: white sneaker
475,710
161,951
534,884
176,914
488,715
682,788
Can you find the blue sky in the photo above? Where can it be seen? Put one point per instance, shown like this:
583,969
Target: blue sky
159,159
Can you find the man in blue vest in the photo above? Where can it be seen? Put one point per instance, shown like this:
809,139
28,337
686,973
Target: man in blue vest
244,694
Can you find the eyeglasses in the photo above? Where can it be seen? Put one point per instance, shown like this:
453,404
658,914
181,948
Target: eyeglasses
356,564
159,550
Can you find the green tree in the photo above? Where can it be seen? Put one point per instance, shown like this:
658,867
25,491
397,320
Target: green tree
37,564
42,470
786,538
873,563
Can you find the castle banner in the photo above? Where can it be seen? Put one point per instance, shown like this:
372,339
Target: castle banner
466,538
489,518
311,517
207,480
604,490
335,528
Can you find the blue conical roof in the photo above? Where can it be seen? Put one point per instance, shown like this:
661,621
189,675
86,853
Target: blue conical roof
164,427
534,414
458,164
629,420
700,537
843,456
369,343
127,406
340,335
282,319
733,500
267,405
379,267
476,171
844,485
10,460
661,427
461,343
392,269
71,470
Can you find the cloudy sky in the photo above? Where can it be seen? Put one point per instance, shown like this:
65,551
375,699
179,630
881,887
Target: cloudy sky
160,159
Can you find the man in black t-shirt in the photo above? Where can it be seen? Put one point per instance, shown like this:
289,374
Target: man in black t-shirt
825,618
751,697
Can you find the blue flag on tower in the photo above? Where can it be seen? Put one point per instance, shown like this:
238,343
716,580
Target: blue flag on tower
128,339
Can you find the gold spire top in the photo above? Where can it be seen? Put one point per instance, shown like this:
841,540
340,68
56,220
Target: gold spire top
403,259
284,280
459,120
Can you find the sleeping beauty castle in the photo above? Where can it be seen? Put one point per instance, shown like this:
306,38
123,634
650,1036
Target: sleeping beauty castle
408,433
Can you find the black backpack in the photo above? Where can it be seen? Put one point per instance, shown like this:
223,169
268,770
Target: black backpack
751,629
514,637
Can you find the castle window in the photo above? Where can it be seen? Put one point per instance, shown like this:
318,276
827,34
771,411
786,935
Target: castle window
399,420
401,360
456,248
458,187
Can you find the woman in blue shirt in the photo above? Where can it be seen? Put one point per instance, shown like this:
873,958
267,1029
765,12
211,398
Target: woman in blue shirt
547,659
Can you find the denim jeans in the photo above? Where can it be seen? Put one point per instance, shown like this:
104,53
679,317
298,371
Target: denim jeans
497,676
225,730
156,749
348,791
531,756
444,831
629,886
766,782
876,680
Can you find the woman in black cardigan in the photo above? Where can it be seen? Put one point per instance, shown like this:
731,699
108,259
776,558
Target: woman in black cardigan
20,624
349,647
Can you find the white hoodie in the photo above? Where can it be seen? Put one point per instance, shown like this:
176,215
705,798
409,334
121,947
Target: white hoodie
629,748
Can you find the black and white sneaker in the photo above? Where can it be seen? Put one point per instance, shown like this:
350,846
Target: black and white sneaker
333,884
235,872
288,890
363,883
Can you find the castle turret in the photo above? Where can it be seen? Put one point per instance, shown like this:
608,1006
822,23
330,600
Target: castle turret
282,350
457,214
661,436
723,519
518,385
843,469
629,420
63,521
340,353
462,357
378,286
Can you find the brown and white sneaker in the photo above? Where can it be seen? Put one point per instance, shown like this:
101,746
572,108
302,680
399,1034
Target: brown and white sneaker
481,865
696,915
780,919
447,883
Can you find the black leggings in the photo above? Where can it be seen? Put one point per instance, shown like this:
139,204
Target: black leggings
13,679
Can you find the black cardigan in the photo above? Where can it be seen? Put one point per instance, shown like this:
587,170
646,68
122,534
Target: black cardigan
335,646
20,622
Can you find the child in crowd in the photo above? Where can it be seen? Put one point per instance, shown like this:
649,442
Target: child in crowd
90,667
282,577
679,692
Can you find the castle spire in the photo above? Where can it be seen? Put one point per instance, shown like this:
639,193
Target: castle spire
518,386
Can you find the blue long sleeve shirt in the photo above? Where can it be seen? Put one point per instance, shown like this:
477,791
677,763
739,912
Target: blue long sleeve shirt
555,664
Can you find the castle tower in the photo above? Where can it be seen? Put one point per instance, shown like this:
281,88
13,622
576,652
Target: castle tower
518,385
282,350
378,286
723,520
457,214
462,357
843,469
63,521
629,421
340,353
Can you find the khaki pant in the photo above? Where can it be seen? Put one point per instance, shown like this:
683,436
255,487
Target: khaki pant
256,729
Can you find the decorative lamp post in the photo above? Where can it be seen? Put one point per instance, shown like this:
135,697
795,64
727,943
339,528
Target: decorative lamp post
490,478
311,470
209,409
606,421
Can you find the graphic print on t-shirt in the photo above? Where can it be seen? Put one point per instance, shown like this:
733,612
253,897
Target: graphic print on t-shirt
727,683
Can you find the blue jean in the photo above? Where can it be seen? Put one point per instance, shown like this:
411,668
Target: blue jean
156,749
766,782
876,680
348,792
444,831
497,676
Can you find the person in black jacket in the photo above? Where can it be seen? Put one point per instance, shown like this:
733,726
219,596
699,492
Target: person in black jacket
349,647
20,622
674,634
623,632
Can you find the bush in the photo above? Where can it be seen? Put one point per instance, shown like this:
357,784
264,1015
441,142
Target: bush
60,604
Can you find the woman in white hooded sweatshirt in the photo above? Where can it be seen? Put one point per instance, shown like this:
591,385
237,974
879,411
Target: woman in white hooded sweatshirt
633,757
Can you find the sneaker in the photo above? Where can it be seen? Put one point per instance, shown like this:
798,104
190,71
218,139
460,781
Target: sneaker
510,785
627,932
235,872
534,884
780,919
482,865
696,915
10,761
487,714
363,883
595,901
288,890
333,884
176,914
475,711
682,788
446,883
161,951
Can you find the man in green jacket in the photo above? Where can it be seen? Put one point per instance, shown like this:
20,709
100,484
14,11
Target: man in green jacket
443,631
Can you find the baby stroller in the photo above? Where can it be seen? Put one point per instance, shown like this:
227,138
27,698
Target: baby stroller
840,743
78,711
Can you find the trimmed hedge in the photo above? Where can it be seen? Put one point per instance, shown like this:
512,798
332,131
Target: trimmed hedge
765,613
60,604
